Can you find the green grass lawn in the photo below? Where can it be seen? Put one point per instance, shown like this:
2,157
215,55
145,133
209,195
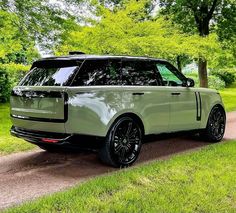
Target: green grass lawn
229,97
201,181
9,144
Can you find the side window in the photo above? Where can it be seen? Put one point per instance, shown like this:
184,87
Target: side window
169,75
114,72
98,72
140,73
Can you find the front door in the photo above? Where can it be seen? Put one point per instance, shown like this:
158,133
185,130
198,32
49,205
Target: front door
183,105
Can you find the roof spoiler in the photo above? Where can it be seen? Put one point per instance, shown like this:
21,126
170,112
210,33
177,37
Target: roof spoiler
76,53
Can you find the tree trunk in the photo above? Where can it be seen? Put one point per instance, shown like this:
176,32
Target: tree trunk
203,13
202,72
178,59
203,27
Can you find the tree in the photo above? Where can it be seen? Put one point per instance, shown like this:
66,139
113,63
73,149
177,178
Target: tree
41,21
13,45
204,15
126,32
8,34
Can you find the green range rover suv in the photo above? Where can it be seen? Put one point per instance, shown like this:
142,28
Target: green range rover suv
118,99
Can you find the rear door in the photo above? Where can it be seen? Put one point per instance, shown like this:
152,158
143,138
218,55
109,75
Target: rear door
183,108
149,99
40,101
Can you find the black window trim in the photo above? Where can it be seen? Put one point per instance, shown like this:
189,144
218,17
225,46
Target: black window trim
76,73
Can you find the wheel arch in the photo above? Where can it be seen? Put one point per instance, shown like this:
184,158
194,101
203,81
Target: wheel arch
215,105
132,115
221,106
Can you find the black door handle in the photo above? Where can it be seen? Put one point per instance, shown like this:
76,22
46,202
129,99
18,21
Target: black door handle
138,93
175,93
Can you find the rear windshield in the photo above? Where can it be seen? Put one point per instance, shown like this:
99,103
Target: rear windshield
54,73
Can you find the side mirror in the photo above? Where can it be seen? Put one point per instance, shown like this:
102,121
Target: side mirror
189,82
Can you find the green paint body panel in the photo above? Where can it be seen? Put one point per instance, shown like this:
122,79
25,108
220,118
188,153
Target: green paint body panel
50,108
93,109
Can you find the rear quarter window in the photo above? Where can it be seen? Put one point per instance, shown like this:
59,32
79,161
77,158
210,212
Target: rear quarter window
50,74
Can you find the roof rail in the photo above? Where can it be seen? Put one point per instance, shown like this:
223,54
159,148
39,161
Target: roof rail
76,53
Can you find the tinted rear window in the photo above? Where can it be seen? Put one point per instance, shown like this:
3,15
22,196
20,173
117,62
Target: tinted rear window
56,73
99,72
139,73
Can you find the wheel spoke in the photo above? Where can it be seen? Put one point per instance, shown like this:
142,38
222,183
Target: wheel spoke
122,154
120,133
134,140
214,117
116,139
118,148
128,147
220,119
129,129
218,115
216,132
133,133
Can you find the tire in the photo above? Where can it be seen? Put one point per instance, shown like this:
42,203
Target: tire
215,128
123,143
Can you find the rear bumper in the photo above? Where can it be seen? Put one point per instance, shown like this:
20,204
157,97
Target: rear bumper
57,139
39,137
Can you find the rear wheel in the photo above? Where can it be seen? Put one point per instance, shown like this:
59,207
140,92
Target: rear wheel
215,128
123,143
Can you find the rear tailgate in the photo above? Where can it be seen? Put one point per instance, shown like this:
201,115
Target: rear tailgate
39,108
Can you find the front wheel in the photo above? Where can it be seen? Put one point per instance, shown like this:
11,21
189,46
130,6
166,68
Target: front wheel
123,143
215,128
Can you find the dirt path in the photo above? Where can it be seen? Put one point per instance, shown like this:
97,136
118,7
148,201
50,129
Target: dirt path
25,176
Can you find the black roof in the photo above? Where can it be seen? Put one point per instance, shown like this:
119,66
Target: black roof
83,57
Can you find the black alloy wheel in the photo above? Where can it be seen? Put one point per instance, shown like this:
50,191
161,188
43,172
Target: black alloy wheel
123,143
215,129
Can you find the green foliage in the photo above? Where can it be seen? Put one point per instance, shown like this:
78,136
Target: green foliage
226,22
42,21
227,75
14,44
194,16
203,18
126,32
121,27
16,71
216,82
10,75
9,40
5,86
